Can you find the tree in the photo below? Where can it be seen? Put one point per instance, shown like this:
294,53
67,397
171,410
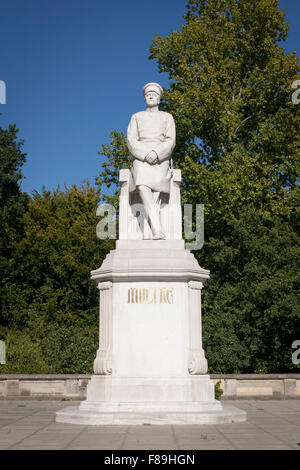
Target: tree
55,258
118,157
238,147
13,204
51,309
49,305
11,161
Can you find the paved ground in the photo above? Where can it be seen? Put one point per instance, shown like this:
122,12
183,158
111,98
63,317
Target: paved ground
31,425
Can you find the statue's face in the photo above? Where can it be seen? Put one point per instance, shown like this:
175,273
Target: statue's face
152,99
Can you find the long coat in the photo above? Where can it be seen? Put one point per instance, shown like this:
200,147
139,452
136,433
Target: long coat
151,131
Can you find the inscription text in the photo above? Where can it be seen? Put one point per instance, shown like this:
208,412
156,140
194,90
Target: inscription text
150,295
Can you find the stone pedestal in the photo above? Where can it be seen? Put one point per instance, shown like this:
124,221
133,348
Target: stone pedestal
150,367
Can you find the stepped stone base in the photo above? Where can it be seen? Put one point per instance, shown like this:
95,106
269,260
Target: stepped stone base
200,415
150,367
158,400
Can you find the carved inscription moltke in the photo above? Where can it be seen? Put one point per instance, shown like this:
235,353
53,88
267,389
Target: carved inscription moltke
150,295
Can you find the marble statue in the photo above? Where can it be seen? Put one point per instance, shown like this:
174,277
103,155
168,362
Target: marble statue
150,366
151,136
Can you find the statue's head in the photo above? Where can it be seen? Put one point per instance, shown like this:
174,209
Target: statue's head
153,93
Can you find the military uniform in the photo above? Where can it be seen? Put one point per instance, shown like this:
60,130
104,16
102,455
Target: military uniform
151,131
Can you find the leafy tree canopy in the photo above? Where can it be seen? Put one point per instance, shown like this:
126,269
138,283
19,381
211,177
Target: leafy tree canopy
54,259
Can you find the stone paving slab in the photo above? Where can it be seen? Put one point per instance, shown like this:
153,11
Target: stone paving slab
31,425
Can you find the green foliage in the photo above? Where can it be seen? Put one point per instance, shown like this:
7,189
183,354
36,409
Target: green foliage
49,305
218,390
251,302
23,355
12,201
13,205
50,348
118,157
55,257
70,349
11,160
237,145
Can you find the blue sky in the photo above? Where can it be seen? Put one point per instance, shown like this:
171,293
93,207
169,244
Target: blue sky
74,71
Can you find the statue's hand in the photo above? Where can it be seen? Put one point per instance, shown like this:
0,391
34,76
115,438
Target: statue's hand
151,158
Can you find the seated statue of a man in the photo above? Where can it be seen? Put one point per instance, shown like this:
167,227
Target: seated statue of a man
151,138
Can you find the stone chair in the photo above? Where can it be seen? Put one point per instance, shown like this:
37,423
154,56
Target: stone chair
133,224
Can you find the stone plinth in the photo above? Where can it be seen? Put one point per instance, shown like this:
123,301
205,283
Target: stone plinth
150,366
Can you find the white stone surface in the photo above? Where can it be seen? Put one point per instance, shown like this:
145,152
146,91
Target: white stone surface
148,245
150,339
155,390
227,414
133,222
150,366
163,261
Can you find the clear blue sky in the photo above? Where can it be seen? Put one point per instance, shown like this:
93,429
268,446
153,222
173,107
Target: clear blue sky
74,70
